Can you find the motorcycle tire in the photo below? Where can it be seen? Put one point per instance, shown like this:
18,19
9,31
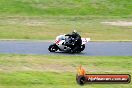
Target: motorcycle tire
52,48
82,47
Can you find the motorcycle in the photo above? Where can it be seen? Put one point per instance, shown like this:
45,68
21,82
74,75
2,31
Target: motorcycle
59,44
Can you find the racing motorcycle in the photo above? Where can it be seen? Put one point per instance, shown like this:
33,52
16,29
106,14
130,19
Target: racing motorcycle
59,44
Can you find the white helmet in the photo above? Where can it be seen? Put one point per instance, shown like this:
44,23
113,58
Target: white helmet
74,31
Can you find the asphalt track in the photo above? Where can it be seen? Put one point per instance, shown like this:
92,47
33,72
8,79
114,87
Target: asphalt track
41,47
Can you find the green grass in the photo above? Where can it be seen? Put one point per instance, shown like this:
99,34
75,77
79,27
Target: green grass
119,8
38,71
49,28
45,19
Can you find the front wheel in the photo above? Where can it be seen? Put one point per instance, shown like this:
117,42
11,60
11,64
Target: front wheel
53,48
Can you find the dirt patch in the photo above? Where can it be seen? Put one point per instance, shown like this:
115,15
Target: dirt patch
58,68
43,68
118,23
28,22
25,21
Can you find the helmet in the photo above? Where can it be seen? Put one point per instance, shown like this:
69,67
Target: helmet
74,31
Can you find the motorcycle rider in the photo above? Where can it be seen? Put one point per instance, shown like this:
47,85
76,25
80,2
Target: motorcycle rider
76,38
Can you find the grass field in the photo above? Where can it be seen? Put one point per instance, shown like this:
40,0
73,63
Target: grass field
49,28
45,19
39,71
121,8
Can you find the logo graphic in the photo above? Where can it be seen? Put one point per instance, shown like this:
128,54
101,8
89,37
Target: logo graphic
83,78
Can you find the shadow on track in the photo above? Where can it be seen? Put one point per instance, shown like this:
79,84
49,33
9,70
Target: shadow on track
66,53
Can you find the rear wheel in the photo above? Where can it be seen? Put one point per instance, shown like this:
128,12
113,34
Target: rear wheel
82,47
53,48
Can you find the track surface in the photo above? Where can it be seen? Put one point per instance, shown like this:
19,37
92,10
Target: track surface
92,48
